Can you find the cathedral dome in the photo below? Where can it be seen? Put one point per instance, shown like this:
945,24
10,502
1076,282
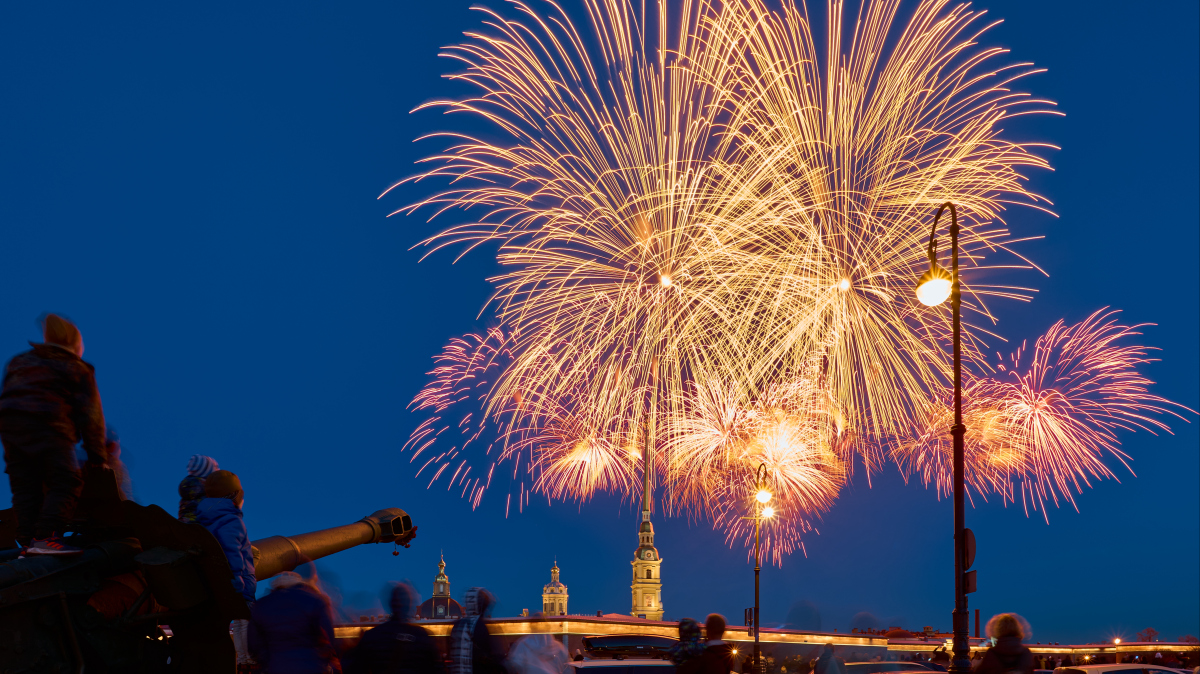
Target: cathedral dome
440,608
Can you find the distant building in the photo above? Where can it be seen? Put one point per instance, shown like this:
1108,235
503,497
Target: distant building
554,595
647,574
440,606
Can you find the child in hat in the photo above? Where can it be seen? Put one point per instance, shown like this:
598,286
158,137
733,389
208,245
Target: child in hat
191,489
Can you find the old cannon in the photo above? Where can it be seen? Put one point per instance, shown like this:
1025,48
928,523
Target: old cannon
149,593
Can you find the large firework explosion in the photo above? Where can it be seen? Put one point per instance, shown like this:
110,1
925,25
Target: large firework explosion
709,230
1040,429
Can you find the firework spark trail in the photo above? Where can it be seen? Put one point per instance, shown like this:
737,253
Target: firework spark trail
848,151
594,206
1045,425
788,430
710,228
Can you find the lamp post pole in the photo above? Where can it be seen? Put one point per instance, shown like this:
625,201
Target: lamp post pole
761,497
961,660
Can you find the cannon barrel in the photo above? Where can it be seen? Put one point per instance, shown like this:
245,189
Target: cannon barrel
284,553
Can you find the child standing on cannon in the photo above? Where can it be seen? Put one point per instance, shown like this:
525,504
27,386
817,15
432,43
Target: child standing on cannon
48,403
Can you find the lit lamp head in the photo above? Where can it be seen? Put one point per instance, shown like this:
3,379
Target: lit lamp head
934,286
1117,641
763,496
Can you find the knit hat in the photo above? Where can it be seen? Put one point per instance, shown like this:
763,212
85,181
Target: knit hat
222,484
62,332
201,466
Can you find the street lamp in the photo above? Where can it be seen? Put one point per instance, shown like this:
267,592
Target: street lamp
933,288
763,511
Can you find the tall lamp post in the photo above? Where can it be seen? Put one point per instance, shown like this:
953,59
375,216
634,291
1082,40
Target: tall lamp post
933,288
762,511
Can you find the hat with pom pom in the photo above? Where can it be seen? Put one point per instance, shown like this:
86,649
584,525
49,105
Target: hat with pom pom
201,466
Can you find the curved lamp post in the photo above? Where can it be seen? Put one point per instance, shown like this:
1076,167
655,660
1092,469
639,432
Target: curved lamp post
763,511
933,288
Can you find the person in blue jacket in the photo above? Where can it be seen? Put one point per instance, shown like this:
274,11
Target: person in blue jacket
221,513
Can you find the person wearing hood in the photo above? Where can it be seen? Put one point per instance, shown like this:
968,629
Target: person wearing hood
291,629
397,646
471,647
48,403
1008,655
221,513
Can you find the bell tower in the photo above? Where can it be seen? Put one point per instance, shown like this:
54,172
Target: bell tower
647,578
441,583
554,595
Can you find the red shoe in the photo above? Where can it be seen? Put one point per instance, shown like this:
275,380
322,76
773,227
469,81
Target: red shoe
51,546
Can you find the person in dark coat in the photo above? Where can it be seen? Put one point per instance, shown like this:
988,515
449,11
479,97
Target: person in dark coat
291,629
471,648
1009,655
718,657
49,402
397,646
828,663
191,488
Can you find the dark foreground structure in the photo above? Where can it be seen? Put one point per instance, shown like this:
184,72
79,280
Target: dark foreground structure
149,593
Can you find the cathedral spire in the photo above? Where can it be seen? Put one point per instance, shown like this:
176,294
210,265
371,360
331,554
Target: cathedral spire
647,565
647,450
441,582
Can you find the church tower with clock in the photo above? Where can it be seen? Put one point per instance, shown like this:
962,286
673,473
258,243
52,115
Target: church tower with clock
647,578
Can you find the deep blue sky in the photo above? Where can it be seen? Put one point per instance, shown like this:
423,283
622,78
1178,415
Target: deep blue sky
196,186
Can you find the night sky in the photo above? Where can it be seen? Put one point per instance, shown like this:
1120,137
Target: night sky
195,185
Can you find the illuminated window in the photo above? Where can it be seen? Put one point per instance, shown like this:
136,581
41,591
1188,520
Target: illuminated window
649,574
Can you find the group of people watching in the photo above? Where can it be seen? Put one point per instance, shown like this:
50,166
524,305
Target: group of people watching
711,656
291,632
